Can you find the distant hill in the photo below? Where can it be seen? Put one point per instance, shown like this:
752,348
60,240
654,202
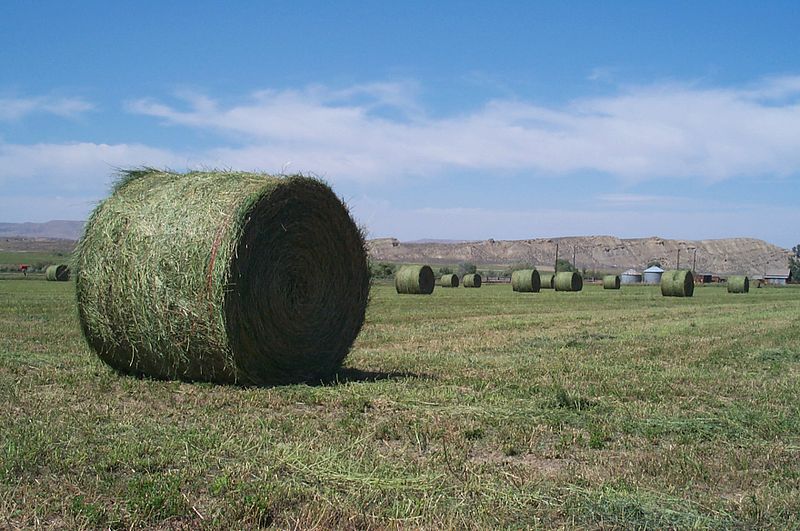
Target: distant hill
608,253
56,229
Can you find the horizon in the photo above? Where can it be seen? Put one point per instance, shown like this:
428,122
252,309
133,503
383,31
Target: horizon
502,122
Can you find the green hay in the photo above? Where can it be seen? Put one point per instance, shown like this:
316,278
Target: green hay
472,280
222,276
568,281
738,284
546,280
57,272
449,281
526,281
611,282
414,280
677,283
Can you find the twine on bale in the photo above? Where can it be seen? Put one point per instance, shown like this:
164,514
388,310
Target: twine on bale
414,280
546,280
738,284
677,283
568,281
611,282
57,272
222,276
449,281
472,280
525,281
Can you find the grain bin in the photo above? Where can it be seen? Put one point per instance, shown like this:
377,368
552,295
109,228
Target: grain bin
525,281
738,284
677,283
546,280
57,272
568,281
631,276
449,281
222,276
611,282
472,280
652,275
414,280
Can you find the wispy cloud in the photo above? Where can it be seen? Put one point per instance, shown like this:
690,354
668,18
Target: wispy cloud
16,108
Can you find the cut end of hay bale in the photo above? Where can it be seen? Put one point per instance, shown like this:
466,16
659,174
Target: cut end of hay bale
568,281
472,280
223,277
611,282
677,283
738,284
57,272
526,281
414,280
449,281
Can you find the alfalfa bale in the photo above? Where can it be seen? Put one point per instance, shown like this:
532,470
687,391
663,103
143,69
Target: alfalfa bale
222,276
611,282
568,281
57,272
471,280
414,280
546,280
526,281
677,283
449,281
738,284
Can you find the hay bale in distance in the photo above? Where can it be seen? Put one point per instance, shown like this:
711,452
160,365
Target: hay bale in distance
611,282
546,280
222,276
568,281
471,280
738,284
526,281
677,283
414,280
449,281
57,272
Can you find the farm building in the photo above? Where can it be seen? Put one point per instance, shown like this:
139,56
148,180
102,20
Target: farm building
652,275
778,277
631,276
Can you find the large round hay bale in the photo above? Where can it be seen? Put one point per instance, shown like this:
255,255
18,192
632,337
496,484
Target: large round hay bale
449,281
611,282
526,281
546,280
568,281
57,272
677,283
472,280
738,284
222,276
414,280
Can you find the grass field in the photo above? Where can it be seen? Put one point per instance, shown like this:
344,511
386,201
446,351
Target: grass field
463,409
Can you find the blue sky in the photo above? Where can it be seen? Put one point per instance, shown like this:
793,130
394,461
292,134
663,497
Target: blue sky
454,120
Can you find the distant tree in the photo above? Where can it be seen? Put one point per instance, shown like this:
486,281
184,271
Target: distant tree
563,265
652,263
794,264
382,269
444,270
466,268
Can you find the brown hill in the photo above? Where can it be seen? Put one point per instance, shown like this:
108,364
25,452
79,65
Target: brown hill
608,253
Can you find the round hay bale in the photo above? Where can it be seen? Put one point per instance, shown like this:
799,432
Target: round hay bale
611,282
526,281
738,284
449,281
222,276
568,281
414,280
57,272
677,283
472,280
546,280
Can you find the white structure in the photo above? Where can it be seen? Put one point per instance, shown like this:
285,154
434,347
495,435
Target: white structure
652,275
631,276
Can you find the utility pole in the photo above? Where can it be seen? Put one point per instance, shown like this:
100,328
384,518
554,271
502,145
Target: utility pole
555,266
574,265
678,266
694,260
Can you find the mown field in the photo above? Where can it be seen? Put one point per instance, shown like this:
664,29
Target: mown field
465,409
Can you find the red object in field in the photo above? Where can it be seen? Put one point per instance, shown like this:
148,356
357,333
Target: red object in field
23,267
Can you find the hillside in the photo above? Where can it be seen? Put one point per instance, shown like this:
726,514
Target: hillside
56,229
731,255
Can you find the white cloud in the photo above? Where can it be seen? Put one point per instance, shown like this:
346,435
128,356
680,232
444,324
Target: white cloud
16,108
641,133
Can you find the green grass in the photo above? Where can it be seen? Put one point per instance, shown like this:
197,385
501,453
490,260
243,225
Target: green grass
467,408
